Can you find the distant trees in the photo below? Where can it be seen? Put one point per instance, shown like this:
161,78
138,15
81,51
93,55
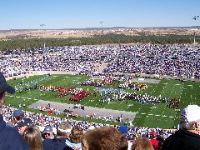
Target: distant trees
98,39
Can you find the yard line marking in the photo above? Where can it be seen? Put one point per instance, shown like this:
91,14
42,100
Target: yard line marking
150,114
143,113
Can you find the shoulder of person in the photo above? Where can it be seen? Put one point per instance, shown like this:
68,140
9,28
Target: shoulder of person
12,139
73,145
54,144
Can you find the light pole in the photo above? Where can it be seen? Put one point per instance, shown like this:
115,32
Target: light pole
43,26
195,18
101,26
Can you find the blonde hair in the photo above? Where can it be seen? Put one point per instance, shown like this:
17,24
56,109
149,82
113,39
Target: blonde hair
33,138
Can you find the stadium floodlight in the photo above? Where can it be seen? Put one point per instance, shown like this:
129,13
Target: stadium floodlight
195,18
42,25
101,26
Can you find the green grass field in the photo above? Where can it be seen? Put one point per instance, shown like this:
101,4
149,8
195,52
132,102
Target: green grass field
152,115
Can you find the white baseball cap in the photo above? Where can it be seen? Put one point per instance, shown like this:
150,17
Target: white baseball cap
191,113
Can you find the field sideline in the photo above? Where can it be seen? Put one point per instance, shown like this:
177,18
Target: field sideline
151,115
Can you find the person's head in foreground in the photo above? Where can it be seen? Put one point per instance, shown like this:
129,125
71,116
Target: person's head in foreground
75,137
33,138
4,87
105,138
188,135
76,134
17,116
48,132
142,143
21,126
190,119
64,130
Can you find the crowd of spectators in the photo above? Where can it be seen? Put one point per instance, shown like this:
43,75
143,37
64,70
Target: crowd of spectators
177,60
51,133
173,60
50,127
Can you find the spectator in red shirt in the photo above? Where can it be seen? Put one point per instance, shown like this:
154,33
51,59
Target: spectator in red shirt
153,140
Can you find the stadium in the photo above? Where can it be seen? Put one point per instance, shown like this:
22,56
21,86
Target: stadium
141,88
109,75
155,100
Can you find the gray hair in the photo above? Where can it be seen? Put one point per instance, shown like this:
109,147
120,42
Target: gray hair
186,125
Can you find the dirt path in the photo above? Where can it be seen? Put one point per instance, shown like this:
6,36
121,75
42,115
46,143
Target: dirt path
100,112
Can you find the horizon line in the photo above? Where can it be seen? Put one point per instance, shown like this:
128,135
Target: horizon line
98,28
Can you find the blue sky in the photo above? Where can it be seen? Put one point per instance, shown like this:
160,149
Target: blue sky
89,13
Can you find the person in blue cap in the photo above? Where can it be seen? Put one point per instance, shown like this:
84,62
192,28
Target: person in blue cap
23,124
10,139
48,132
18,115
54,143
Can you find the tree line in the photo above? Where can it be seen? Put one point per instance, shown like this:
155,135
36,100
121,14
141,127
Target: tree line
95,40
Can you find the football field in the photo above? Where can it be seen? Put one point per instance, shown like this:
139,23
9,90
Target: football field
147,115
